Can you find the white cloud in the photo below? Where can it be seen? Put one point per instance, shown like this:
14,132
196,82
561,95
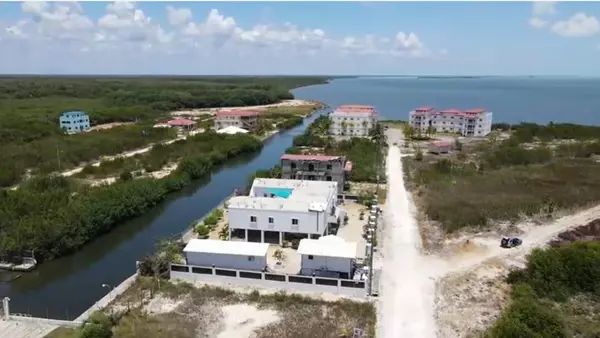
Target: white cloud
540,11
125,31
537,22
578,25
544,8
179,16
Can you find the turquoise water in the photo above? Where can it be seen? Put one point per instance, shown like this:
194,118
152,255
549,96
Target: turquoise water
280,192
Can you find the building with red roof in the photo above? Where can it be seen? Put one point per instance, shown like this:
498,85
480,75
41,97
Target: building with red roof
353,120
245,119
183,124
316,168
470,122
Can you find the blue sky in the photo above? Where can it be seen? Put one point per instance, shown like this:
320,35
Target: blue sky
392,38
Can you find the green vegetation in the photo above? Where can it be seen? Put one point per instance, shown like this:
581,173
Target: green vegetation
55,216
274,172
556,295
198,310
161,155
506,180
363,152
30,108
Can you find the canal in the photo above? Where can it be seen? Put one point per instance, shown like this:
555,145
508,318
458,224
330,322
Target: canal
66,287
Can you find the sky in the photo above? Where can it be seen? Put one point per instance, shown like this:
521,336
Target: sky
303,38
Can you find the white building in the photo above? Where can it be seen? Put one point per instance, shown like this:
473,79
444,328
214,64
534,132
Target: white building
473,122
226,254
276,207
352,120
328,256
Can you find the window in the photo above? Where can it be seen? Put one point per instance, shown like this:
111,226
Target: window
271,220
294,221
328,178
251,258
253,219
311,257
293,165
329,167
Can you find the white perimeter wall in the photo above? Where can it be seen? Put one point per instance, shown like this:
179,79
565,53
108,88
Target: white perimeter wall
284,282
226,261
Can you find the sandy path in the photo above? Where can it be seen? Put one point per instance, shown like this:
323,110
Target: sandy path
284,103
407,306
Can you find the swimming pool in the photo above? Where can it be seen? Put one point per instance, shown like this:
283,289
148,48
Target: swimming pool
280,192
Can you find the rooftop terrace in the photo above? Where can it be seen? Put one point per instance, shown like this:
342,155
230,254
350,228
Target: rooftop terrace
286,195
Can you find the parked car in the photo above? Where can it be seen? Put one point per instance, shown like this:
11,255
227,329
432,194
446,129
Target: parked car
510,242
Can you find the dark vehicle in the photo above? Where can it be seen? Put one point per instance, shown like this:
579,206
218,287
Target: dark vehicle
510,242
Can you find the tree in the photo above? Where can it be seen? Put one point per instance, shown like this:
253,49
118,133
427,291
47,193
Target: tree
279,255
202,230
224,233
408,131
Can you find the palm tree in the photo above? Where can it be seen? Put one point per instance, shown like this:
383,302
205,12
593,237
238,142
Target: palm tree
408,131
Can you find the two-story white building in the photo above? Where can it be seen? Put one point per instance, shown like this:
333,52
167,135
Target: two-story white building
468,123
352,120
276,207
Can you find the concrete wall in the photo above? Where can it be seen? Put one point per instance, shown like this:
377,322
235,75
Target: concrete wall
282,220
227,261
266,280
336,264
37,320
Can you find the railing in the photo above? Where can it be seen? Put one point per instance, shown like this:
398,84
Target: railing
262,279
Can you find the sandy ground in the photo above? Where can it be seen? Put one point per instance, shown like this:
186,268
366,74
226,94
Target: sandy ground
110,125
353,231
406,305
129,153
285,103
242,319
471,290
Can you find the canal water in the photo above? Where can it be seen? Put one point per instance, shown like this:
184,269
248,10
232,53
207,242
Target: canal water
66,287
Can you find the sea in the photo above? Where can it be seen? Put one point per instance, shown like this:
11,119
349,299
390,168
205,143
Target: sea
510,99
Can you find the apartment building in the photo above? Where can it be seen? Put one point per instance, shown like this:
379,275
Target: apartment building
352,120
245,119
316,168
74,121
277,207
468,123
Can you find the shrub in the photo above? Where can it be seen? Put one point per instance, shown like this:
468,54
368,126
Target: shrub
202,230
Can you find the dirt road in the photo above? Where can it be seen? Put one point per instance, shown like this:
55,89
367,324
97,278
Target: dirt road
406,307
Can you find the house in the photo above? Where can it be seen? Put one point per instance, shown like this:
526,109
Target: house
276,209
316,168
226,254
472,122
352,120
328,256
74,121
439,147
182,124
245,119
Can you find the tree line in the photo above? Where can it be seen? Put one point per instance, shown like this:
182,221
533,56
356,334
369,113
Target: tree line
30,108
55,216
541,292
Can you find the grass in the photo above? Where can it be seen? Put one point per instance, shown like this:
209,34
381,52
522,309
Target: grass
199,309
63,332
396,124
302,110
500,184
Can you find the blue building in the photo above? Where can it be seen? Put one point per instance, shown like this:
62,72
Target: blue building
74,121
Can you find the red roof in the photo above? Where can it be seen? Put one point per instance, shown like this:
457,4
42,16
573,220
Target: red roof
355,108
237,113
451,111
475,111
294,157
424,109
181,122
